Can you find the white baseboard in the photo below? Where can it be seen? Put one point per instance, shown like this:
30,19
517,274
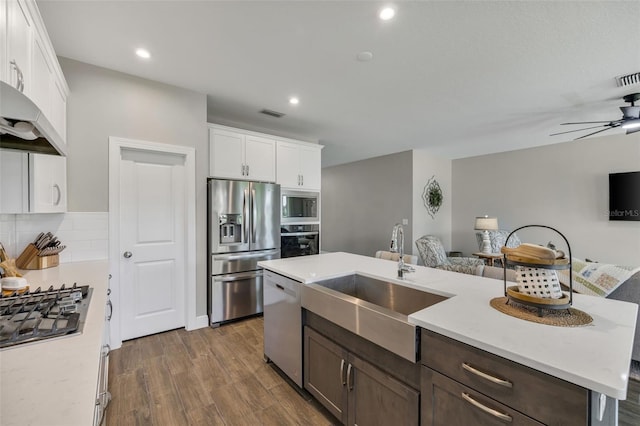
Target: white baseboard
201,321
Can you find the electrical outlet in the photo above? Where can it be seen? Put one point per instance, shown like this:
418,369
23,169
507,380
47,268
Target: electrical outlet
405,221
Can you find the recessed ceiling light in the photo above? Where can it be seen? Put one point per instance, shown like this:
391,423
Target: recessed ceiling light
387,13
143,53
294,101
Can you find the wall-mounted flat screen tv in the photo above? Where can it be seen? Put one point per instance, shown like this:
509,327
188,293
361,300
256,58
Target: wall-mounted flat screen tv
624,196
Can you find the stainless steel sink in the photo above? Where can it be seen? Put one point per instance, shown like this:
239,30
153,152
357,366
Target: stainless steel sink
374,309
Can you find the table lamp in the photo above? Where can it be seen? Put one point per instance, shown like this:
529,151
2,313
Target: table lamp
486,224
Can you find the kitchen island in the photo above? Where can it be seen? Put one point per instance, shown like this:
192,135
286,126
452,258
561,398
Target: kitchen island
595,357
54,382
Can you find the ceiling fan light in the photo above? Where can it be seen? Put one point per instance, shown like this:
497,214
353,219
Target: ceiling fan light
630,112
631,124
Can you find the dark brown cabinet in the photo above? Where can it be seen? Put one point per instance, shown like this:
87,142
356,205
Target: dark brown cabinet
354,390
446,402
458,381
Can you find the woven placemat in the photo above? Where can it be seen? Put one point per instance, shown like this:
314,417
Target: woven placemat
560,318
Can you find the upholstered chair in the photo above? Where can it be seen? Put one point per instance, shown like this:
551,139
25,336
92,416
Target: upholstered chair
433,255
498,239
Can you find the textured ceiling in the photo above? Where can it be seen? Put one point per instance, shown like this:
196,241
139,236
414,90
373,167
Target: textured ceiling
457,78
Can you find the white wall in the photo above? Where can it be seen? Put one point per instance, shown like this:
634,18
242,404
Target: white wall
363,200
107,103
564,186
85,234
426,165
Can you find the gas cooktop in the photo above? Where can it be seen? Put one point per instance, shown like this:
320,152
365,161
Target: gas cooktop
42,314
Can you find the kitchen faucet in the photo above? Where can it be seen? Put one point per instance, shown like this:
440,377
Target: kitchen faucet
397,246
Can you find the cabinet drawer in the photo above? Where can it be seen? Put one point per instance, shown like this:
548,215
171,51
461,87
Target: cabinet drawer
548,399
447,402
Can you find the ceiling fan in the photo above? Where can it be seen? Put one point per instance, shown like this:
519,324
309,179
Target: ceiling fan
630,119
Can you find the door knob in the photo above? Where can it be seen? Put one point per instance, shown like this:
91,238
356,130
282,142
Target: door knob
127,254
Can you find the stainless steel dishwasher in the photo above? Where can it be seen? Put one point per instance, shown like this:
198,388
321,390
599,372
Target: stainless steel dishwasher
283,324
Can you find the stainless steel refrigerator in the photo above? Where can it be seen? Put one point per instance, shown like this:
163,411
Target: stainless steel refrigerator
243,228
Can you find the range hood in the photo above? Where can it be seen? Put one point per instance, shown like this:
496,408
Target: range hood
23,126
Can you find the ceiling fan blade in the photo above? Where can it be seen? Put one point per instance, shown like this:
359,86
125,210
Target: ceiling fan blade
576,130
586,122
590,134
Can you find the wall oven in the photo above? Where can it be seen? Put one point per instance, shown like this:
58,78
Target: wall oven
300,207
299,240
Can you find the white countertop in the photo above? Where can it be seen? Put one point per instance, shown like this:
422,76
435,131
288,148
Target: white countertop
54,382
596,356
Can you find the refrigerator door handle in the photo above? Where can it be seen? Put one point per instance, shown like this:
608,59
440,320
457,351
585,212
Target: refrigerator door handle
238,277
245,217
245,255
254,213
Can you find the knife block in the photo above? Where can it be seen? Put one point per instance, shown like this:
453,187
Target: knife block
43,262
29,259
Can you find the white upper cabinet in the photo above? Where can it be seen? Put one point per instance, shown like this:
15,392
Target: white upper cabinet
237,155
19,39
29,64
32,183
14,182
47,183
299,165
42,80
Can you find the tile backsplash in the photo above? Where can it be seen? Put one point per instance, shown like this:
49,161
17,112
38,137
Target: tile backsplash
86,234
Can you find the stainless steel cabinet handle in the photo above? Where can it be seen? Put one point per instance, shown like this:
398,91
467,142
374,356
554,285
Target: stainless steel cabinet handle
302,179
19,76
495,413
247,170
127,254
110,305
492,379
242,169
57,187
350,376
343,377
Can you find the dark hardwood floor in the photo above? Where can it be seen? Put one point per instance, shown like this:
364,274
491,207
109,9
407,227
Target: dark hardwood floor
218,377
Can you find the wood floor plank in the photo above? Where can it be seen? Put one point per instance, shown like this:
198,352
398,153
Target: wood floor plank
205,416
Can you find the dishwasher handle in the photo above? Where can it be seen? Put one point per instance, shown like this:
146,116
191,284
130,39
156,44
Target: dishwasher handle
275,285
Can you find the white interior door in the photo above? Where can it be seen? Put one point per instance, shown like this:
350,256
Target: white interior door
152,216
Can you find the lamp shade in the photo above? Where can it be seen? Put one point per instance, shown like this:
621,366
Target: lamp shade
486,223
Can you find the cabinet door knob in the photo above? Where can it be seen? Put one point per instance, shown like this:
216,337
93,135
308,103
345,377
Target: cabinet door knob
127,254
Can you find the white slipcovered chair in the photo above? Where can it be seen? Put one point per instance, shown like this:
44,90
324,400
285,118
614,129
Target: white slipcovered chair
433,255
388,255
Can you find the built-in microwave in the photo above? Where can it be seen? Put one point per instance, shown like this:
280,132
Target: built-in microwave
300,207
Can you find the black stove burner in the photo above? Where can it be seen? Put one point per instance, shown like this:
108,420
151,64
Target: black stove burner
41,314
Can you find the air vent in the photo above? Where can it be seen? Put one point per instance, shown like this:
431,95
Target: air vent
272,113
628,80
